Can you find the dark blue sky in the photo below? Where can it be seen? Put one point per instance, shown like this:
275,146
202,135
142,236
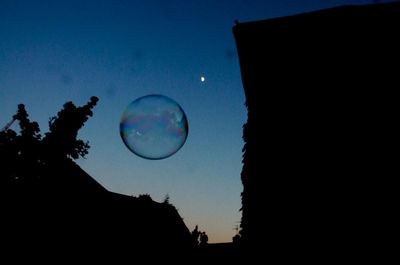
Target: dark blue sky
56,51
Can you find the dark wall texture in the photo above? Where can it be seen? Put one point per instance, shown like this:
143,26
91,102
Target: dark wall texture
320,93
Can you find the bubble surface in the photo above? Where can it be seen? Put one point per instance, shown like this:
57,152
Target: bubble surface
154,127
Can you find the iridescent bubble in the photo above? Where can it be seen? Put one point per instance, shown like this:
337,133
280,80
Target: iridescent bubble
154,127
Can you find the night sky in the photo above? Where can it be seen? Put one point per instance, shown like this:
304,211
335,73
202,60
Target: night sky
57,51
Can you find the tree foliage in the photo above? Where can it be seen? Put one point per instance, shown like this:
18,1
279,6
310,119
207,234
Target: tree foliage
27,154
63,130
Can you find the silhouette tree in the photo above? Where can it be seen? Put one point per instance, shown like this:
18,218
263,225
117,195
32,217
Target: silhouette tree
20,152
28,144
166,199
8,155
145,197
236,239
29,130
61,139
27,156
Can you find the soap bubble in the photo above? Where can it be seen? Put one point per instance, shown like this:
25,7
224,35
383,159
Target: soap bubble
154,127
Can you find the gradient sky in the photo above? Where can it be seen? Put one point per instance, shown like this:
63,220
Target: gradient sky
57,51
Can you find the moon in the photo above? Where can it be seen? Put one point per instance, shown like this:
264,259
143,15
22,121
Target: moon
202,79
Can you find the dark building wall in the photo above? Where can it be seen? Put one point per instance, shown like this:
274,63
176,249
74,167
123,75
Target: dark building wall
318,88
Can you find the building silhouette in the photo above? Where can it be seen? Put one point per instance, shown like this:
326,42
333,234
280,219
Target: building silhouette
319,90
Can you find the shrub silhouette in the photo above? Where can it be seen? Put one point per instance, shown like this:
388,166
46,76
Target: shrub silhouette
28,155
